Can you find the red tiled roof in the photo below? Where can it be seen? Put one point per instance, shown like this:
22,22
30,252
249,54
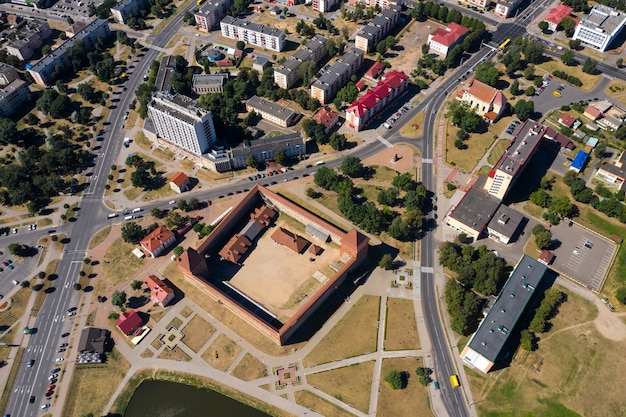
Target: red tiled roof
236,248
326,117
592,111
158,237
360,85
294,242
129,322
263,215
448,36
481,91
391,80
558,13
159,290
179,178
547,257
375,70
567,120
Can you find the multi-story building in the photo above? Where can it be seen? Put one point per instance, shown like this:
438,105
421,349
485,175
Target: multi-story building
377,99
333,77
286,74
557,14
179,120
614,173
13,91
383,4
369,35
327,118
443,39
270,111
505,8
249,32
488,102
210,13
208,83
480,4
600,27
167,68
43,69
324,6
29,38
74,28
126,8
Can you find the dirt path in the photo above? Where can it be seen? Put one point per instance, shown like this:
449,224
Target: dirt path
608,323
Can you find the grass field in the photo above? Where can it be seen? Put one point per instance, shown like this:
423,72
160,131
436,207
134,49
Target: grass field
175,354
17,310
409,130
589,81
410,401
384,173
350,384
498,150
401,327
186,312
616,89
40,296
326,408
120,263
143,141
99,237
466,159
249,368
92,386
164,191
226,351
197,332
355,334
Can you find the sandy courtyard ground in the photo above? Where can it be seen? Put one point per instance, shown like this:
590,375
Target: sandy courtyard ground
384,157
272,273
411,46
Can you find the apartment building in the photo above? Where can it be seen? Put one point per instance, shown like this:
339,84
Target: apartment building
272,112
334,76
383,4
126,8
505,8
13,91
210,14
377,99
324,6
179,120
249,32
600,27
314,50
208,83
369,35
479,4
442,40
29,39
42,70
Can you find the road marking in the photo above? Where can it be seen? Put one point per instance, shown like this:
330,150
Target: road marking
427,161
607,76
428,270
385,142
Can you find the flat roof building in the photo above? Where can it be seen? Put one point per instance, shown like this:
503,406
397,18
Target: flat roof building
614,173
127,8
488,342
29,38
473,212
167,68
13,90
286,75
272,112
334,76
504,224
209,83
323,6
600,27
504,8
210,13
249,32
369,35
93,339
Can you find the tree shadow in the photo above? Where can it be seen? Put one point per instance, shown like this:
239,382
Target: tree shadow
50,290
88,288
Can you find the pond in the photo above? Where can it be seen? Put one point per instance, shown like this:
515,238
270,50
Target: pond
170,399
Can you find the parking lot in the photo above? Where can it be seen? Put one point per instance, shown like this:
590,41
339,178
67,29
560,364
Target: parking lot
582,255
394,117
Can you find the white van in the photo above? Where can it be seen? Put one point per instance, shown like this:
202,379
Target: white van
137,210
129,217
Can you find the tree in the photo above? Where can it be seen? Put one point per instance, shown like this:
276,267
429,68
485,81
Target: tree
251,162
86,91
530,91
77,286
24,284
404,181
529,72
527,340
423,375
487,73
574,44
158,213
240,45
394,379
533,52
543,239
8,131
569,26
524,109
543,25
118,298
17,249
280,157
569,178
352,166
132,233
514,88
174,220
178,250
41,275
136,285
140,178
590,66
619,62
562,206
620,294
425,49
388,196
37,287
337,141
386,262
599,150
540,198
568,57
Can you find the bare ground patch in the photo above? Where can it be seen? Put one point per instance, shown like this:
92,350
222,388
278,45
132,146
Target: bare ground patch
350,384
249,368
221,353
197,332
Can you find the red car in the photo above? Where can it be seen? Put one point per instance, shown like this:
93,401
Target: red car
51,387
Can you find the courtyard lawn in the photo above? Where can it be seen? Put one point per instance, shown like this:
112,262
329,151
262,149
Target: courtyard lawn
326,408
197,332
350,384
401,327
222,352
411,400
415,128
249,368
589,81
119,262
466,159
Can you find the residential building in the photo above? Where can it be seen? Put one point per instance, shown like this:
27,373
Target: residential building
368,36
473,212
127,8
160,292
374,71
179,120
488,101
13,91
614,173
479,4
600,27
129,322
334,76
377,99
43,69
505,8
93,340
179,182
514,159
324,6
610,122
579,162
157,241
263,150
29,38
489,341
504,224
443,39
567,120
557,14
286,75
209,83
210,13
272,112
167,68
74,28
382,4
260,63
249,32
328,118
591,112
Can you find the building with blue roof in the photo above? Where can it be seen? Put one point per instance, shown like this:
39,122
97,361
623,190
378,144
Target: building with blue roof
580,161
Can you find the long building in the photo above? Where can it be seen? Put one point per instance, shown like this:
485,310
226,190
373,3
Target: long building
13,90
179,120
443,39
209,83
314,50
126,8
377,99
43,69
249,32
29,39
210,14
383,4
333,77
505,8
272,112
324,6
600,27
489,341
369,35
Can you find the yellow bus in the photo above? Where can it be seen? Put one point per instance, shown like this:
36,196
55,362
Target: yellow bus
504,44
454,380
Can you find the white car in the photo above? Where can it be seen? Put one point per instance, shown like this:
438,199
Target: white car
53,376
60,359
43,407
172,202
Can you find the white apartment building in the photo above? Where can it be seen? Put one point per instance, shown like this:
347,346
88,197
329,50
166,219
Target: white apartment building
323,6
126,8
210,13
600,27
333,77
13,90
383,4
249,32
179,120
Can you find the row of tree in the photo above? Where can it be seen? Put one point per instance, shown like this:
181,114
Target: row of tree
611,205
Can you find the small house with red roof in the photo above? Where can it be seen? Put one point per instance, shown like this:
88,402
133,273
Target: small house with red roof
160,292
443,39
360,85
592,112
488,101
157,241
546,257
327,118
374,71
557,14
291,240
180,182
129,322
567,120
363,110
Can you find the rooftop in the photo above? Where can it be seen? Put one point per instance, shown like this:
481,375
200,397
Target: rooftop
200,80
558,13
242,23
450,35
603,19
505,221
618,167
166,69
251,147
274,109
155,239
178,106
521,148
481,91
475,209
325,117
179,178
93,339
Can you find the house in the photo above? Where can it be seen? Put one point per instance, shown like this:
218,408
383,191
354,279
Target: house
328,118
93,340
567,120
374,71
443,39
580,161
488,101
360,85
546,257
160,292
291,240
129,322
180,182
554,17
610,122
592,112
613,173
157,241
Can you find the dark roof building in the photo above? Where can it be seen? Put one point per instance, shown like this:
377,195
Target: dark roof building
94,340
473,212
164,76
504,224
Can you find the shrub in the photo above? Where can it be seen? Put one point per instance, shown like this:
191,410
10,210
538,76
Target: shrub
394,379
